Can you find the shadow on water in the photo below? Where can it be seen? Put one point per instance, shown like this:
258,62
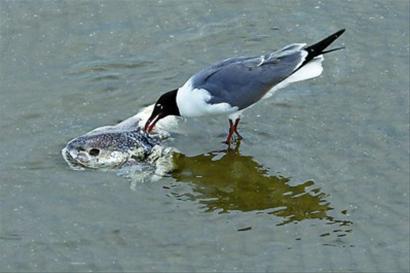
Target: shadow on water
225,181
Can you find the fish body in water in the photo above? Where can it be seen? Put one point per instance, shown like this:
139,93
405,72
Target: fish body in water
123,144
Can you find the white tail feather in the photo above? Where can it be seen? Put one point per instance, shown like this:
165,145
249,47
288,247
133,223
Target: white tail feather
310,70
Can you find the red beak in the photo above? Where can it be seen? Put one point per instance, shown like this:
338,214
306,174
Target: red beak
149,125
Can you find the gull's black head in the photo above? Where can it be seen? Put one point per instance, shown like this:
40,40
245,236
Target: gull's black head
166,105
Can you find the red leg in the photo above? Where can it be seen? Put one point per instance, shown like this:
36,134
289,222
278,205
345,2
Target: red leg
231,130
235,128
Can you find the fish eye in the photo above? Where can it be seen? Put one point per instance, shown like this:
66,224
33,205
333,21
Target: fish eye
94,152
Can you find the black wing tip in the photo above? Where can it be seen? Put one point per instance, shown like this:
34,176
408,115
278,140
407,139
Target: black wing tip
318,48
340,32
334,36
337,34
333,49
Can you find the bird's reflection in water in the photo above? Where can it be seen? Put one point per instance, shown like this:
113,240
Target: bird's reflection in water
226,181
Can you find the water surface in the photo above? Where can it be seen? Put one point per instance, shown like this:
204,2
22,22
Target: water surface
320,182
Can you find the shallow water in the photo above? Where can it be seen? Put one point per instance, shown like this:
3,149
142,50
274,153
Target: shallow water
320,183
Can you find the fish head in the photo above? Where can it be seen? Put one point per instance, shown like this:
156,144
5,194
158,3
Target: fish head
107,149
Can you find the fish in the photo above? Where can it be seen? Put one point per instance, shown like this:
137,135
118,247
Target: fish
116,146
108,149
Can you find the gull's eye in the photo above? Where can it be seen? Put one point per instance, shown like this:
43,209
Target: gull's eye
94,152
159,106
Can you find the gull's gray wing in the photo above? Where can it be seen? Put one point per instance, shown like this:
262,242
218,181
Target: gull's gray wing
243,81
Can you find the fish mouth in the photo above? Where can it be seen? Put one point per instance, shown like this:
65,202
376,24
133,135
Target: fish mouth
74,164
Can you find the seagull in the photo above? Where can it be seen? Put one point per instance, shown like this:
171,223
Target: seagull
233,85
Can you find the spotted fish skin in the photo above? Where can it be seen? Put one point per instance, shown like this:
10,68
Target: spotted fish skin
122,141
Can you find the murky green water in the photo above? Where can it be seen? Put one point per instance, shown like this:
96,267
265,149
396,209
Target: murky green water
320,183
